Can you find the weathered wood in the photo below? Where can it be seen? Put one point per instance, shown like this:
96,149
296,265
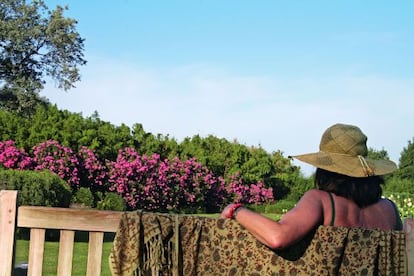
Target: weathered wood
8,201
38,219
68,219
67,239
95,253
36,251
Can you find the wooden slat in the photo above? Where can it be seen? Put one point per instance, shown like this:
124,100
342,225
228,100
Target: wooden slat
409,245
67,239
95,253
36,250
38,219
69,219
8,200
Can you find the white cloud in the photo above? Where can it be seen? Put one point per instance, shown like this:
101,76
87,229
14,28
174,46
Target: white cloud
280,114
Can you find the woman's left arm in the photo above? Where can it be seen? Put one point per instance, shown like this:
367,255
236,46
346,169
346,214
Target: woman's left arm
294,225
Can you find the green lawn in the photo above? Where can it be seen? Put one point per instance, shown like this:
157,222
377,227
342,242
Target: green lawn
80,256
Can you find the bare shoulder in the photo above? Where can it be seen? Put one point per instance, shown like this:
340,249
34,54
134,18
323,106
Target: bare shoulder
387,203
384,207
315,194
382,215
313,197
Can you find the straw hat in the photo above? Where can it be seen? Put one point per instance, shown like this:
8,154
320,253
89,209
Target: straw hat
343,150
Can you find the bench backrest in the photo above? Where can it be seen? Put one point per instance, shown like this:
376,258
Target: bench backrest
67,220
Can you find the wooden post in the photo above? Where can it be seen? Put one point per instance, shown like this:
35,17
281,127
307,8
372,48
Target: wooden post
8,205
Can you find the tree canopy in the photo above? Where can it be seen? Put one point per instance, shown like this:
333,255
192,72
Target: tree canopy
407,162
229,160
35,44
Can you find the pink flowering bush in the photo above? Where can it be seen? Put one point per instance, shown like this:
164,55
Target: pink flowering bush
144,182
128,176
249,194
92,171
198,188
58,159
153,184
13,158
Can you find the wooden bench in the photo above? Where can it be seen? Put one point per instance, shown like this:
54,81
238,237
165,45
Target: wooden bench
38,219
67,220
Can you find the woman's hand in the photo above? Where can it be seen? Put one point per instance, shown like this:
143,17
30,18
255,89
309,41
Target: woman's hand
228,211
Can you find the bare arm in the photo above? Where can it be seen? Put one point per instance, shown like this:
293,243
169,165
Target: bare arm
294,225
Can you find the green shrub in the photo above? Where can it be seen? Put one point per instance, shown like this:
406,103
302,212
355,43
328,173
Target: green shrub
111,201
405,203
281,207
261,208
83,197
396,185
299,188
36,188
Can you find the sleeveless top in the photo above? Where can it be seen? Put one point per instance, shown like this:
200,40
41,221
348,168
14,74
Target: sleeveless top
398,223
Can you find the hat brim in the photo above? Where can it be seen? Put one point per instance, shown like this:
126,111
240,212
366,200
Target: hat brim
347,164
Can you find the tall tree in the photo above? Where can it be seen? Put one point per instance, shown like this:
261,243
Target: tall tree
406,170
378,154
35,44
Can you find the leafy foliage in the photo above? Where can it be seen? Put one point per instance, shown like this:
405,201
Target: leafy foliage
84,197
144,182
405,203
93,145
394,184
378,154
111,201
223,158
406,165
35,43
36,188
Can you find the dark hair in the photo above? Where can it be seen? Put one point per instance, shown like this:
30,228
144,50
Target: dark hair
363,191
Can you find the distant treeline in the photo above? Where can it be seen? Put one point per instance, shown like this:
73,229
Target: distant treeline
222,157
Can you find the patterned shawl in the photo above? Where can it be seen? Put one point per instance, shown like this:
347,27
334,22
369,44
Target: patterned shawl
166,244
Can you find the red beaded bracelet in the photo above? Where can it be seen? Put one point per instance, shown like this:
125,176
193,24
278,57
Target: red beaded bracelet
233,209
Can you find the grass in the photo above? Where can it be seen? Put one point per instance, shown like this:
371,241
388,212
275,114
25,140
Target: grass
80,253
80,256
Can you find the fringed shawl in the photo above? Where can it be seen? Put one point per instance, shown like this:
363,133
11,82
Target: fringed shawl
165,244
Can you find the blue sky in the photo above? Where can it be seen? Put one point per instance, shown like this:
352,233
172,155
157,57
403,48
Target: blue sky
269,73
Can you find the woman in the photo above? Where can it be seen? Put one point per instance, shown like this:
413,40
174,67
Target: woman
348,194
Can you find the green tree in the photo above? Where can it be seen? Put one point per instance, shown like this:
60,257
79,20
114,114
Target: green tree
218,154
287,179
259,166
35,44
13,127
406,170
148,144
378,154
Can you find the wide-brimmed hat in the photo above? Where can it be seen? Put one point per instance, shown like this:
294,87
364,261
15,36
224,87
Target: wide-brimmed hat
343,149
